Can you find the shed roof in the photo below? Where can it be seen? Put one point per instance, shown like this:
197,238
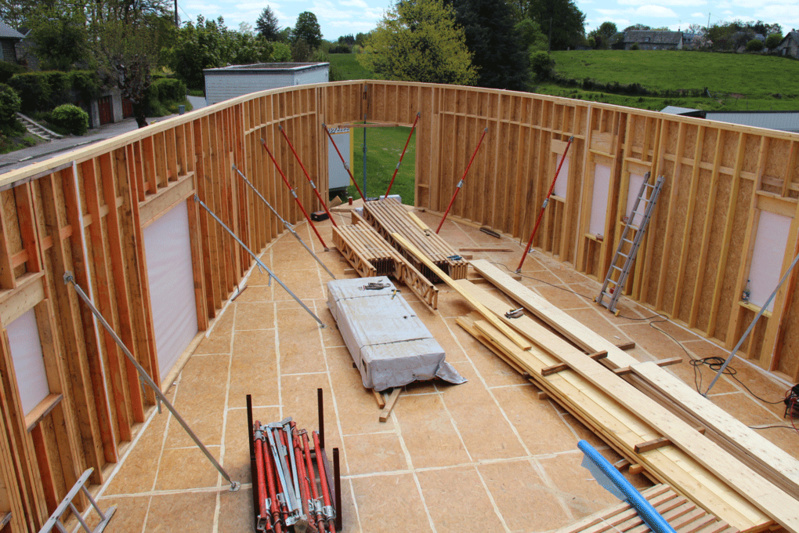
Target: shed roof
7,32
774,120
267,67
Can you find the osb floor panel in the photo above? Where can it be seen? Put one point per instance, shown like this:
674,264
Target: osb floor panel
483,456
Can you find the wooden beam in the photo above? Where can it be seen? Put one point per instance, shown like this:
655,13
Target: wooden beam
42,410
661,363
16,302
390,403
560,367
165,199
512,335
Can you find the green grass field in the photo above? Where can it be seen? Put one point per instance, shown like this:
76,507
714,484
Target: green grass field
346,67
735,81
384,146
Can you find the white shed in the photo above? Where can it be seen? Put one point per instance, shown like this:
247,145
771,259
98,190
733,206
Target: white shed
237,80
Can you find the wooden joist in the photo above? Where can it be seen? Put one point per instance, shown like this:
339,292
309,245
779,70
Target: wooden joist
513,336
622,429
682,515
390,217
370,255
757,490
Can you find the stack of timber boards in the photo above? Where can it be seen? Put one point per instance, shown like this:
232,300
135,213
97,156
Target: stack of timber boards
370,255
681,514
389,216
625,417
389,344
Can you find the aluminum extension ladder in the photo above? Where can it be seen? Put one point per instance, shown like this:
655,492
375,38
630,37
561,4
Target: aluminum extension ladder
622,263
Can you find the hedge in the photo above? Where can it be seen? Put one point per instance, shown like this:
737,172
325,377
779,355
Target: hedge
42,91
70,117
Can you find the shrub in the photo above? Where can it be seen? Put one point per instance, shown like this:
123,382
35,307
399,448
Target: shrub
168,89
71,117
754,46
33,89
9,105
281,52
85,84
542,65
773,41
635,47
9,69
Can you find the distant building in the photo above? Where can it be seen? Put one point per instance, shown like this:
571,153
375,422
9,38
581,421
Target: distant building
653,40
237,80
773,120
789,46
9,37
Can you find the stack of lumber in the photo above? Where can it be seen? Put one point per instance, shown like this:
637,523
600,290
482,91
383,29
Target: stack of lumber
646,434
389,216
682,514
638,427
370,255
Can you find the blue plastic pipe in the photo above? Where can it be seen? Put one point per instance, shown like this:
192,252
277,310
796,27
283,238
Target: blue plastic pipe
648,514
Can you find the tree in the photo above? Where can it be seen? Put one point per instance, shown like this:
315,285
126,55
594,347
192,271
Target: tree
60,38
773,41
560,18
308,29
267,25
128,36
497,47
531,35
418,40
642,27
605,35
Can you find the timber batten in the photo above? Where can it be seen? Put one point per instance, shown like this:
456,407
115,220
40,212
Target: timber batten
85,211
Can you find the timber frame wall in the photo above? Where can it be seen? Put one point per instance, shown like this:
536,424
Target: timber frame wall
84,212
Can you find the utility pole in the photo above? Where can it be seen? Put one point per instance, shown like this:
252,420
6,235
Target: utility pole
549,46
177,22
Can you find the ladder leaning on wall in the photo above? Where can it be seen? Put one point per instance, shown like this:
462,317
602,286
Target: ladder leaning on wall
622,262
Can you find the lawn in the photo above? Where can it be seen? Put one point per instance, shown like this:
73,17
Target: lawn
383,149
734,81
346,67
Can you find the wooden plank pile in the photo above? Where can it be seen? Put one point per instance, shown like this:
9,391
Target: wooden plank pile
681,514
389,216
643,431
370,255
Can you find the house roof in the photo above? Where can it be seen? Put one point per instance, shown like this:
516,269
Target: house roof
654,37
792,35
7,32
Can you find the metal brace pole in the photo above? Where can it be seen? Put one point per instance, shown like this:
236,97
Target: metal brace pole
751,326
69,278
258,261
283,220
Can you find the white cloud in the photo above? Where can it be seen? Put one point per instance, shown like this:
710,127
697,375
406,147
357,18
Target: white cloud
655,11
355,3
671,2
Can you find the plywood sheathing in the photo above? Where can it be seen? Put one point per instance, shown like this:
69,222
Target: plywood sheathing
525,475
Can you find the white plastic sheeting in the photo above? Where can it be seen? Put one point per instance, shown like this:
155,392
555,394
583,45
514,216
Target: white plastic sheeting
168,252
767,255
390,345
599,201
633,190
562,183
26,351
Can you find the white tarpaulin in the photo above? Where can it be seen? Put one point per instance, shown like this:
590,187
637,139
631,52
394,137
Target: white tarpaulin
168,252
26,352
390,344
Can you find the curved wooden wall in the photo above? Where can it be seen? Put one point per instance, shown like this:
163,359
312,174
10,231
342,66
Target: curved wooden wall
84,212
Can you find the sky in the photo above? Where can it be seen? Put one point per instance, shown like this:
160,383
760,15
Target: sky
342,17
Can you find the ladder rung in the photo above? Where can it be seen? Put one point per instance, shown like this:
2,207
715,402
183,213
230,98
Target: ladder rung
627,240
617,268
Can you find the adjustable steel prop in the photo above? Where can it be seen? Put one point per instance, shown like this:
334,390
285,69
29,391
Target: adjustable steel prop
419,114
460,183
544,205
307,176
294,194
